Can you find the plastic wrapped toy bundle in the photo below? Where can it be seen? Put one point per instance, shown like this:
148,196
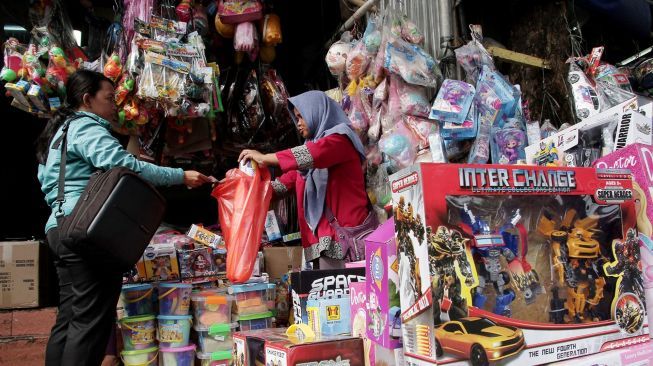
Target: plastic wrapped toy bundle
399,144
411,62
358,60
336,57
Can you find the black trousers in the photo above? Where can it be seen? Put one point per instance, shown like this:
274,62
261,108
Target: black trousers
88,294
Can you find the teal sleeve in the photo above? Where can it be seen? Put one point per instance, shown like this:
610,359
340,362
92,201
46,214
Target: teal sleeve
95,145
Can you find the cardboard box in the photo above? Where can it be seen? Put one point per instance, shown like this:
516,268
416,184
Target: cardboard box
19,274
500,263
560,149
635,355
320,284
358,306
638,159
329,316
324,350
383,286
633,128
281,260
159,263
387,356
275,347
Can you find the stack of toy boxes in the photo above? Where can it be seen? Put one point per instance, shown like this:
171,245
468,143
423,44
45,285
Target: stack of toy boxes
383,311
321,299
638,159
527,265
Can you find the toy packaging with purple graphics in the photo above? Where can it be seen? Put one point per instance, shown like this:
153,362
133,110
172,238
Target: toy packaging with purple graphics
526,265
384,323
358,307
638,158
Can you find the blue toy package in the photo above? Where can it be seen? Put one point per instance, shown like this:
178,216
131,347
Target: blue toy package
453,101
464,131
495,94
330,316
508,145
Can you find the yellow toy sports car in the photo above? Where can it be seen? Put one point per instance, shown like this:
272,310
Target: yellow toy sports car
478,339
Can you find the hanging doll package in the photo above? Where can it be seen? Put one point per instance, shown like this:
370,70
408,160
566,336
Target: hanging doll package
508,144
411,62
453,101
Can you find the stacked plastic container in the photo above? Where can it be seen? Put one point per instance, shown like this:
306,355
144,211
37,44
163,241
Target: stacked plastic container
138,328
212,311
174,325
253,305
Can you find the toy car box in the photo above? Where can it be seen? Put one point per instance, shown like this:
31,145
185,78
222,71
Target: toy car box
523,264
384,323
320,284
638,159
580,144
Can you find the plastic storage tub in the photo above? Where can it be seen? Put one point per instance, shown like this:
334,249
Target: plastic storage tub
174,298
253,298
255,321
215,338
137,299
211,307
181,356
141,357
222,358
174,330
138,332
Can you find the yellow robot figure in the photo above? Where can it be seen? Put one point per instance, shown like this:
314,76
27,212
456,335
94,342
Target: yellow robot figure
577,262
406,223
548,155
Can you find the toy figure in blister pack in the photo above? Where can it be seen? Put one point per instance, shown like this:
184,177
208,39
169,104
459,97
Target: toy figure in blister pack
448,253
405,223
489,246
577,263
548,154
627,265
508,145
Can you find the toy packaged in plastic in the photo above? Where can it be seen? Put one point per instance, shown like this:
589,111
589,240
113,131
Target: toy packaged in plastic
473,56
372,36
480,152
453,101
586,100
357,61
494,259
611,95
336,57
163,79
508,145
412,99
466,130
399,145
422,129
495,98
411,62
196,264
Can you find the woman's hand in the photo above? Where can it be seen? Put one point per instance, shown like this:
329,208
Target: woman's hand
194,179
260,158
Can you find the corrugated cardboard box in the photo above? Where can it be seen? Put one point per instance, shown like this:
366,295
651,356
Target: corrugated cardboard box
19,274
281,260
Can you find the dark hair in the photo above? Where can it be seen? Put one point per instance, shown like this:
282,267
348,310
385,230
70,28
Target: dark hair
81,82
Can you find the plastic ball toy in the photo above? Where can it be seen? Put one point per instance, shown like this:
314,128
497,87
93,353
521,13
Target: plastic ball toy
8,74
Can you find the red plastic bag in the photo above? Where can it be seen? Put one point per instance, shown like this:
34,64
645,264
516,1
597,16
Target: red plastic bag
243,202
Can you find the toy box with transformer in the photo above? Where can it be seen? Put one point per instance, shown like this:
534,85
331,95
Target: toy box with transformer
320,284
527,265
384,322
638,159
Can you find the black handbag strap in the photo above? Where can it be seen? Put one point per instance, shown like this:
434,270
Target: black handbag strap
63,142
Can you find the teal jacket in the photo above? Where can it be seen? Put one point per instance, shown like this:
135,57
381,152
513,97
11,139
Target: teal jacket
92,147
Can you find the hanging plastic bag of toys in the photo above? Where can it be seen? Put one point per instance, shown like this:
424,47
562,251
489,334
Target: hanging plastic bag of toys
243,202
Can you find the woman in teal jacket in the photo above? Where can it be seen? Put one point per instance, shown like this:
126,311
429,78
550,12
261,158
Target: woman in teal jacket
88,291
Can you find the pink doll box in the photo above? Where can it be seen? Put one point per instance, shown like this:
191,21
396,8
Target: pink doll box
638,158
384,324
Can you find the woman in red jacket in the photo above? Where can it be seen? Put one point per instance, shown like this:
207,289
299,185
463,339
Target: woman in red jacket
326,174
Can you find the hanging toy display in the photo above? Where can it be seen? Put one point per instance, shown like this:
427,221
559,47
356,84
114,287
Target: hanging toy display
113,67
183,11
58,70
125,87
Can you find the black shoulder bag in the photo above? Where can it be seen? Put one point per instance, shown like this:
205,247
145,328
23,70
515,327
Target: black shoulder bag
115,217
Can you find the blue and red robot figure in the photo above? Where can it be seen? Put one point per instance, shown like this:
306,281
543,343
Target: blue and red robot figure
488,246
